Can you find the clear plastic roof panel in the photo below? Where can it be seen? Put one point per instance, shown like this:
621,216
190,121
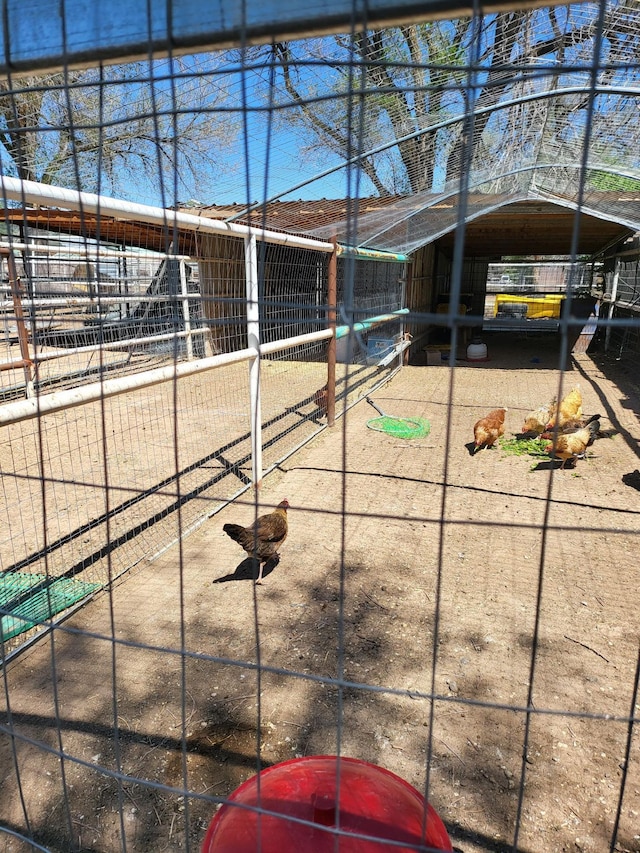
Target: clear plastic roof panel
445,120
399,132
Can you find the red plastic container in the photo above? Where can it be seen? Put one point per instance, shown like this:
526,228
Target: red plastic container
373,802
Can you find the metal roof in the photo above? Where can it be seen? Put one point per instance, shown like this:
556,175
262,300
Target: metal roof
496,226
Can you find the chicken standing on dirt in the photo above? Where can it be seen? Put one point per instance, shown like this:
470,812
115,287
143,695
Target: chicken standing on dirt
488,430
569,427
573,444
536,422
262,539
569,409
320,398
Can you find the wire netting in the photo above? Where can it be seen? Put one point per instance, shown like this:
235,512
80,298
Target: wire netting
104,486
209,258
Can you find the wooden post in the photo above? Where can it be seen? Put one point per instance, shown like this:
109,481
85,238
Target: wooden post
23,334
332,296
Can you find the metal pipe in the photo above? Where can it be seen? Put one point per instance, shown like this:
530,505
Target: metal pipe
185,309
265,349
407,293
253,340
298,340
117,345
361,253
364,325
36,406
14,365
68,253
613,297
23,410
332,291
69,301
31,192
74,251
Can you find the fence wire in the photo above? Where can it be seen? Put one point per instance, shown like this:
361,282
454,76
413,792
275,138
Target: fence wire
464,619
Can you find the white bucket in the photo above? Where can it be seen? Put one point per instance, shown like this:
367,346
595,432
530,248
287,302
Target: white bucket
476,351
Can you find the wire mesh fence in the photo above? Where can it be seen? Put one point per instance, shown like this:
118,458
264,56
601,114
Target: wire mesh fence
462,618
104,484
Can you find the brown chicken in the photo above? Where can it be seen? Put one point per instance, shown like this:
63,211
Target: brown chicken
569,426
262,539
536,422
573,444
488,430
320,398
569,409
407,353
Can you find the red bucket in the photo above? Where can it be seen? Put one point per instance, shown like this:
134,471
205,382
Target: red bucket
373,802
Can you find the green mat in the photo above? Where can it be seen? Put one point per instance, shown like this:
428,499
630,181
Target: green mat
27,600
398,427
401,427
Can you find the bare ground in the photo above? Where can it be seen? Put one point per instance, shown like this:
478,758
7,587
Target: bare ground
411,569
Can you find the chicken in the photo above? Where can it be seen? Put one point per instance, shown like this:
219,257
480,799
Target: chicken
573,444
262,539
569,426
536,422
569,409
320,398
405,357
488,430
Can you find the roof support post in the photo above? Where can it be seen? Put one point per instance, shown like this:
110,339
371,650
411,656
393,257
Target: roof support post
612,303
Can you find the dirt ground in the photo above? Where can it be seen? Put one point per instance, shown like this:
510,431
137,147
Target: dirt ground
505,588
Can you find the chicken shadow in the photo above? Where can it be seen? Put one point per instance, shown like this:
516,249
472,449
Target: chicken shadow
247,570
553,463
473,450
632,479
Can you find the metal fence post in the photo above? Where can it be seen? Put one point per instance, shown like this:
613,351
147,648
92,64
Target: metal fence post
253,342
332,290
184,288
612,304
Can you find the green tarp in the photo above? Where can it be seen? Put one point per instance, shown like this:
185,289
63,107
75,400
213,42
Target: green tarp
27,600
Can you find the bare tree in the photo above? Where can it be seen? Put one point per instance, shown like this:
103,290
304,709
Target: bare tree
401,84
153,127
